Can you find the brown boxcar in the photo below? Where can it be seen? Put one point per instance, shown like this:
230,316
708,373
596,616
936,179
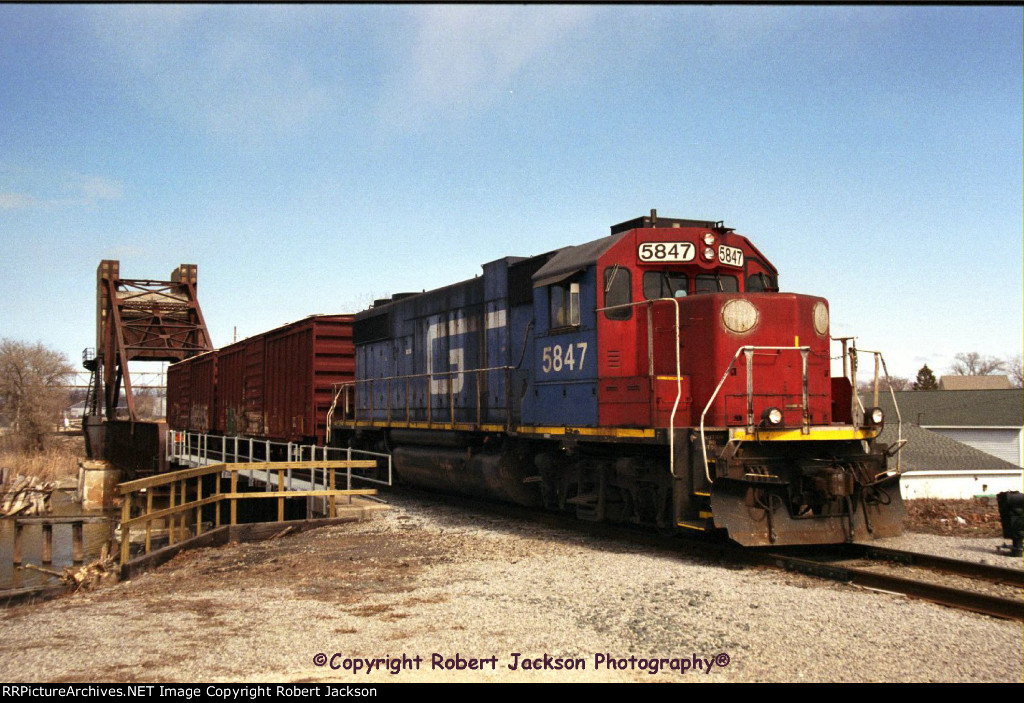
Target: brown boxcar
240,387
303,360
276,385
192,394
179,385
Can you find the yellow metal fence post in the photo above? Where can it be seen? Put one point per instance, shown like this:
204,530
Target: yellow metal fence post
182,525
331,500
171,520
199,508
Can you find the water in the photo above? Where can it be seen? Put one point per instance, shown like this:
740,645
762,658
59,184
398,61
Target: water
94,536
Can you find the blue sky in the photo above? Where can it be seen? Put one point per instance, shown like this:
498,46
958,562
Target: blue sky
309,158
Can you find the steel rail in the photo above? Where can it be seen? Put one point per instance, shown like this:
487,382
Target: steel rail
988,572
1011,609
710,550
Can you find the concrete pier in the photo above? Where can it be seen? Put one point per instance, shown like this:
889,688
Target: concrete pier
97,484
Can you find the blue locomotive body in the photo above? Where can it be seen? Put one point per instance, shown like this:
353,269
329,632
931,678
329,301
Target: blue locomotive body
488,352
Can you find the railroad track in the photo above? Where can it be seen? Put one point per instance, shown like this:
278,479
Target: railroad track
822,562
962,598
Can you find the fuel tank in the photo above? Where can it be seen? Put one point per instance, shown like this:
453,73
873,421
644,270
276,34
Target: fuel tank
501,475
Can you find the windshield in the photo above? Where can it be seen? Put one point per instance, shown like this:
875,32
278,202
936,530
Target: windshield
716,283
664,284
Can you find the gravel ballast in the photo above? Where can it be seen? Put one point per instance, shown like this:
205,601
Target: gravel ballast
423,580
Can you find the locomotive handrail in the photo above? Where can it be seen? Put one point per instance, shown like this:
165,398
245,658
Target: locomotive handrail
338,388
341,387
892,394
650,357
747,350
423,375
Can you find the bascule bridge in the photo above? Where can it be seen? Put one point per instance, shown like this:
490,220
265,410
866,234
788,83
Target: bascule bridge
136,320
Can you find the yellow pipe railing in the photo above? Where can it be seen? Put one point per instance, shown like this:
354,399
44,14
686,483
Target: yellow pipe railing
180,505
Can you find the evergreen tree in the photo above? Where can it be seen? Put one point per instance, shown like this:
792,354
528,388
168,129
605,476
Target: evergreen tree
925,380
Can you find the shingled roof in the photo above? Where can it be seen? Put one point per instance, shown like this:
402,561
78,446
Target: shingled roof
992,408
929,451
974,383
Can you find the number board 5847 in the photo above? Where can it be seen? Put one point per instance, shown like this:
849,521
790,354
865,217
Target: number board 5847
666,251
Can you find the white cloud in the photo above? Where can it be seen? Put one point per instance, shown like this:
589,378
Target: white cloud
127,252
17,201
231,71
464,57
259,73
37,187
95,188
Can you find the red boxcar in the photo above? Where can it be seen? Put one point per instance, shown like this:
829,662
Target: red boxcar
240,387
179,385
192,394
303,362
276,385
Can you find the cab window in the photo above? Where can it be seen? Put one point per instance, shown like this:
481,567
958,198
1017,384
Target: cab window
664,284
716,283
617,291
564,304
761,282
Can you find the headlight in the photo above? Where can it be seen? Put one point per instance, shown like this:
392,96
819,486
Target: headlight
709,254
739,315
821,319
709,239
772,416
874,417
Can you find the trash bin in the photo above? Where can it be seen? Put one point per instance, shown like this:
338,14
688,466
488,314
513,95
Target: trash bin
1011,515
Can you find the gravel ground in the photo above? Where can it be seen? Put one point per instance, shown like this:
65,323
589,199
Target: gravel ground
423,579
981,550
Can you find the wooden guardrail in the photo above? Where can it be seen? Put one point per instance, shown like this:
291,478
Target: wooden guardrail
182,501
47,523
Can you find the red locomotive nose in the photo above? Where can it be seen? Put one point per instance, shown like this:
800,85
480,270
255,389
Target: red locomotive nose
772,374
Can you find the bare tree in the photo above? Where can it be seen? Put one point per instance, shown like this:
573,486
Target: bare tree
148,403
974,364
32,392
897,383
1016,373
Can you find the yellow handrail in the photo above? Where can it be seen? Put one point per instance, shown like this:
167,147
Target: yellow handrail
176,480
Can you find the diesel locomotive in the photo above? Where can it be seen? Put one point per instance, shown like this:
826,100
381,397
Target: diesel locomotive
654,376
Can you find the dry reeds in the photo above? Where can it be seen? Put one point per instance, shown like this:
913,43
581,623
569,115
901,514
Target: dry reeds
59,460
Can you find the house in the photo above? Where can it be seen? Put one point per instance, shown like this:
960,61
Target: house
974,383
989,420
937,465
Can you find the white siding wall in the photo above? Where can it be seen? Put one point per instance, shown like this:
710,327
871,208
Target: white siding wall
1002,443
957,484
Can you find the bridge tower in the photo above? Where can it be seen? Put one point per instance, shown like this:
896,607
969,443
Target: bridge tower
136,320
